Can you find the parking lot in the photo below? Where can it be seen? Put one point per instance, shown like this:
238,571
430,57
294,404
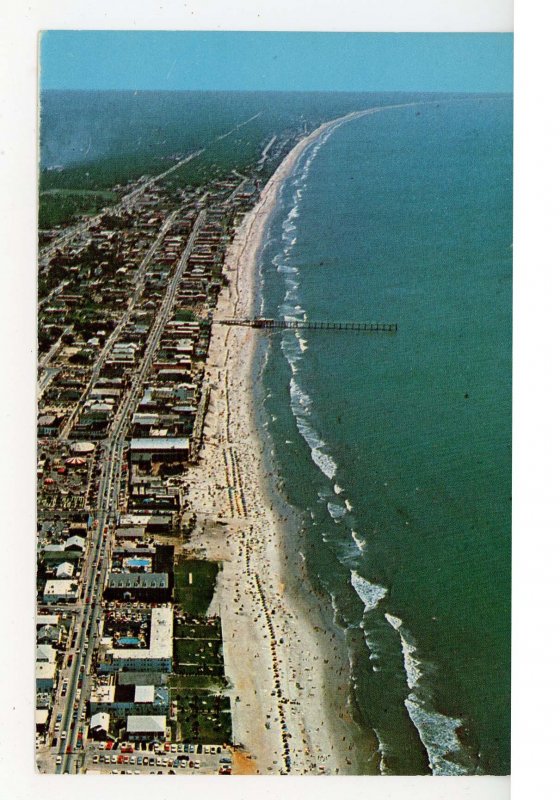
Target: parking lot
165,759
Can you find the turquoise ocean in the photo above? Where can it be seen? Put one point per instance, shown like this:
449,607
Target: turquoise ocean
395,449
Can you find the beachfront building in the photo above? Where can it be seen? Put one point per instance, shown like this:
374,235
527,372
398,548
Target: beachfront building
148,450
157,657
144,586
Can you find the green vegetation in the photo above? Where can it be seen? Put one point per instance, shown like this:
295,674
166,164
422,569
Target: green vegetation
195,598
185,315
214,683
204,717
92,142
58,206
199,631
197,656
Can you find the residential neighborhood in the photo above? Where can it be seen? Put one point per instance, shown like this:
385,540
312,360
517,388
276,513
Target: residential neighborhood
129,666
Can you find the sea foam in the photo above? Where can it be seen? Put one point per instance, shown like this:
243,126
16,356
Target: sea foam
301,405
369,593
411,662
360,543
437,732
336,511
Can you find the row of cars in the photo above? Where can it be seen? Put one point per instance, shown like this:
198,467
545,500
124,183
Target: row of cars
177,760
145,761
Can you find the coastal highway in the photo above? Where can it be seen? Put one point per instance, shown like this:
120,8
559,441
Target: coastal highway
123,205
128,200
140,277
98,560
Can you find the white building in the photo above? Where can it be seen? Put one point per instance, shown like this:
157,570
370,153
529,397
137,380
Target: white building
65,570
60,591
99,725
146,727
45,652
45,673
75,543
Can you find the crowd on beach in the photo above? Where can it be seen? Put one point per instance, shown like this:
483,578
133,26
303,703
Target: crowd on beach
277,661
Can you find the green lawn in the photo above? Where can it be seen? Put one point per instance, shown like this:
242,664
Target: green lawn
195,597
204,717
179,683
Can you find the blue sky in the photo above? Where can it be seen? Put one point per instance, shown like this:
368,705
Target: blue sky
218,60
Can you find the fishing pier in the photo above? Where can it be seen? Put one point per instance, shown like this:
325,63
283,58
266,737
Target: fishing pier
277,324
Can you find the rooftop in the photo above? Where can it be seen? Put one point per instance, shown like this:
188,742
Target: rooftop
138,580
157,443
146,724
144,694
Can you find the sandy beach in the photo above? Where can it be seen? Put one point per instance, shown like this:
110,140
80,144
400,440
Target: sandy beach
287,670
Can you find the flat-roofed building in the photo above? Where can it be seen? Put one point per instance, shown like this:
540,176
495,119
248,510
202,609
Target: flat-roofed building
60,591
124,699
45,673
145,450
41,719
158,657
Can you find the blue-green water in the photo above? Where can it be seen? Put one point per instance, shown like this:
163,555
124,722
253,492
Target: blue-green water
397,448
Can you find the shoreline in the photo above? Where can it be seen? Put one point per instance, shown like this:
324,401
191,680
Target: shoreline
286,663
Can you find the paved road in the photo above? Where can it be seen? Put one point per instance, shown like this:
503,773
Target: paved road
123,205
98,559
140,279
126,202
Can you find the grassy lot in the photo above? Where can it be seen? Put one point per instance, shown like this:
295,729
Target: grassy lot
180,683
185,315
194,598
201,631
198,657
204,717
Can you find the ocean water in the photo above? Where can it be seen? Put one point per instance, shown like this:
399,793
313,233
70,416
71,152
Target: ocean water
396,448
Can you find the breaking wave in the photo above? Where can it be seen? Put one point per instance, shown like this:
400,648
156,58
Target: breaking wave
301,405
437,732
360,543
336,511
369,593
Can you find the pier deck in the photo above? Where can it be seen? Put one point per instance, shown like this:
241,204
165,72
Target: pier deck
274,324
